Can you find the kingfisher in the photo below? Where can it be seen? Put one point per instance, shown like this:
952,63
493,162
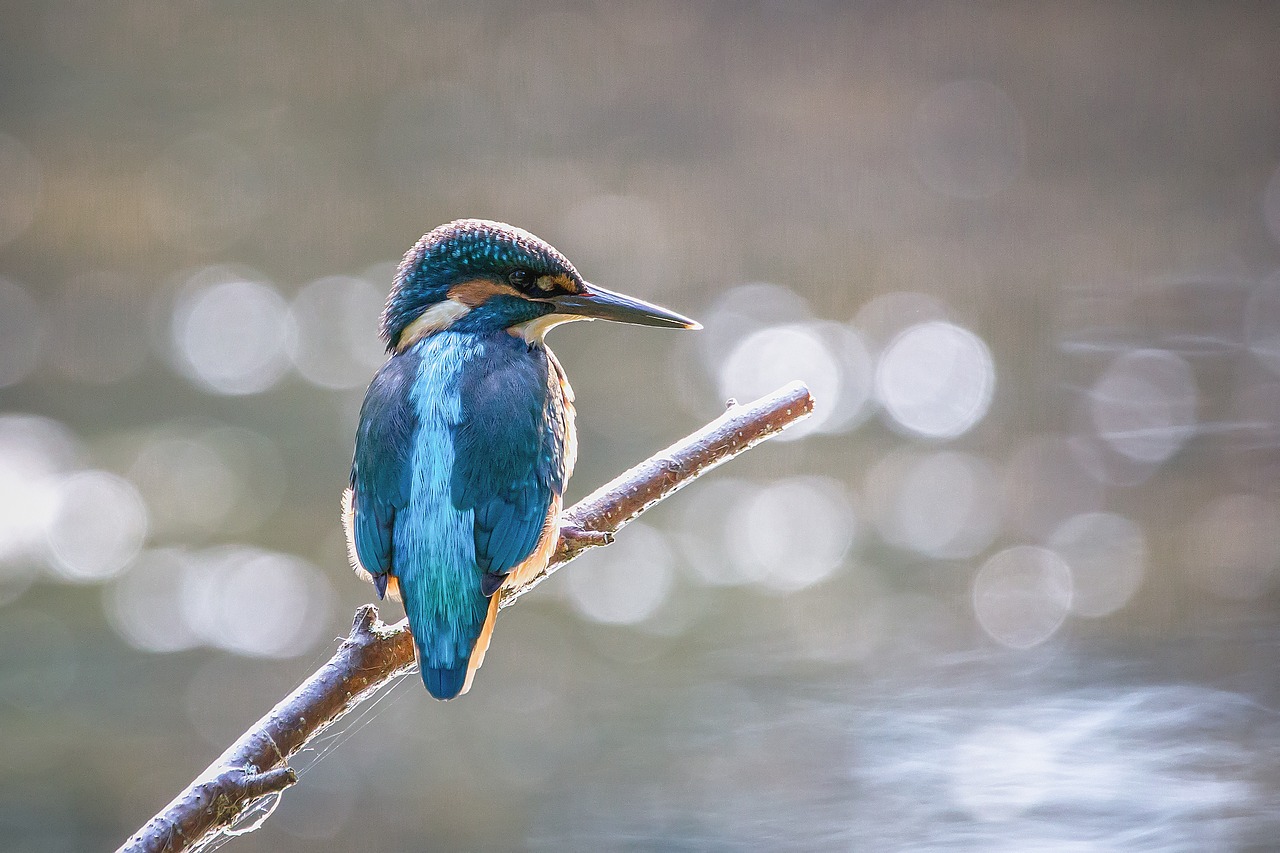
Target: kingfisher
466,436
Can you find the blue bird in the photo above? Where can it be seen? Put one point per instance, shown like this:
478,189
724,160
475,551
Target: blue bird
466,437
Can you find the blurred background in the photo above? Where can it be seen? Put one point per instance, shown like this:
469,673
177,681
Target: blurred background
1014,586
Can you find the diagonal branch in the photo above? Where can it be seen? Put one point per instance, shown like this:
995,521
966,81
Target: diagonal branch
375,653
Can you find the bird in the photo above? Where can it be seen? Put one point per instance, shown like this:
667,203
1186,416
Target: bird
466,437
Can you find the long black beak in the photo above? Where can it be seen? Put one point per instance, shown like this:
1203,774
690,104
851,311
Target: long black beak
597,303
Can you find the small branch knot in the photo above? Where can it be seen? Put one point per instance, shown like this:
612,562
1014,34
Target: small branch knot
365,620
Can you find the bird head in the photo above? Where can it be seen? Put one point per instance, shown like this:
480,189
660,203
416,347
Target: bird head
476,275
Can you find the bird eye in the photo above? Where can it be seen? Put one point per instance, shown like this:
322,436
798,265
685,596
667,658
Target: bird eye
520,278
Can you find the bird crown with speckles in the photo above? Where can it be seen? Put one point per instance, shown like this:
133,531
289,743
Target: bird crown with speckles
456,251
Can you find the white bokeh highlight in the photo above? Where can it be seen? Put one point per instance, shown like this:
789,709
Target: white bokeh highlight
885,316
626,583
34,451
1107,554
942,505
705,532
1022,595
336,318
791,533
231,334
936,379
190,487
98,526
143,605
1144,405
254,602
830,359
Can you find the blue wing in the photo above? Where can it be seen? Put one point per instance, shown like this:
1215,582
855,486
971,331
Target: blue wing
381,470
509,462
458,461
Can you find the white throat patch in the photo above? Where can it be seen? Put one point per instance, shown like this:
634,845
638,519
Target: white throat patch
437,318
535,330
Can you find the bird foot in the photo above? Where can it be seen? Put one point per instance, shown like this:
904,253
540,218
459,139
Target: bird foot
579,539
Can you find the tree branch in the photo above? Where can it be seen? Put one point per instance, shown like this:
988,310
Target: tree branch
375,653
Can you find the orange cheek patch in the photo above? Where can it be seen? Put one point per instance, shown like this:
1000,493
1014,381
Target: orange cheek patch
478,291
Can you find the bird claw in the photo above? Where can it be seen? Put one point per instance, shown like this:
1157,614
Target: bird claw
580,539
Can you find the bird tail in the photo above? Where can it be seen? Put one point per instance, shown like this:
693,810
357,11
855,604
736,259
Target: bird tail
444,635
443,682
452,681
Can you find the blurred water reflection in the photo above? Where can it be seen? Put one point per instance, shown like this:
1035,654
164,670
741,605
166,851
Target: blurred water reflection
1014,586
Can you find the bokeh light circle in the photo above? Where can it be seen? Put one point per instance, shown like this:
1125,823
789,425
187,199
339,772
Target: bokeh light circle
254,602
1144,405
627,582
98,526
336,318
792,533
942,505
189,485
1107,554
231,335
34,452
885,316
831,359
1022,595
936,379
705,532
741,311
143,604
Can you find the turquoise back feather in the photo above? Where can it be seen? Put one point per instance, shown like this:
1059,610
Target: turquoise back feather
459,456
